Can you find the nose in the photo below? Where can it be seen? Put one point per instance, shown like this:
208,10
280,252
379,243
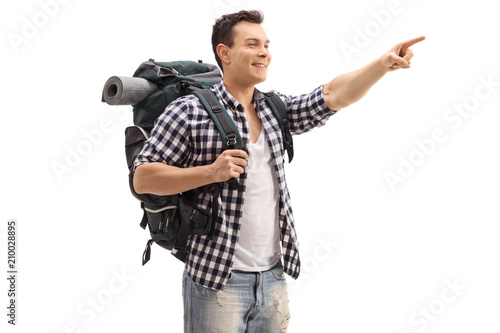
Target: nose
264,52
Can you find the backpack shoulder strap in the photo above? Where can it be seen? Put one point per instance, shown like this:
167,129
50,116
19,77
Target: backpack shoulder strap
231,138
278,108
224,124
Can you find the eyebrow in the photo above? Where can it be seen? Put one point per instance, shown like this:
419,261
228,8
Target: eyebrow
257,40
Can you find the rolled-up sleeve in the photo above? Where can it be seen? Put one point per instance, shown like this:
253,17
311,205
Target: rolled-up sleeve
307,111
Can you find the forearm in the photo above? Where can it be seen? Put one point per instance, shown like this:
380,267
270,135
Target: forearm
162,179
349,88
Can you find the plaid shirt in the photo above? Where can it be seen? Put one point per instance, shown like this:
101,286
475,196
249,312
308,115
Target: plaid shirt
184,136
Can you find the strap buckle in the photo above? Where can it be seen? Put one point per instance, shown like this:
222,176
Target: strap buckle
231,140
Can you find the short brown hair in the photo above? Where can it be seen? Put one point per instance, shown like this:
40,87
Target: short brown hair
222,31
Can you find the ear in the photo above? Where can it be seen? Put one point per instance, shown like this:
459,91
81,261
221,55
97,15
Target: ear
224,54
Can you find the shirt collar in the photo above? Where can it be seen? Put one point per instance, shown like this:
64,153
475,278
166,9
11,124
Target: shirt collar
229,102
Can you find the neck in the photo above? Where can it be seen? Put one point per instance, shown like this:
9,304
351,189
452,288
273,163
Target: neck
241,92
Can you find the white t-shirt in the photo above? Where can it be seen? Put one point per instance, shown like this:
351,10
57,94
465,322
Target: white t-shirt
258,248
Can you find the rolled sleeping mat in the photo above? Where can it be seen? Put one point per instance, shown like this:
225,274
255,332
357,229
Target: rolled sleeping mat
123,90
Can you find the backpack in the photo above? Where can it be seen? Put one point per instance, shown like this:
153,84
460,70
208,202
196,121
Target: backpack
171,219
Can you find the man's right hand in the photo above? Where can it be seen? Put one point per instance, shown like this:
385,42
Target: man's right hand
230,164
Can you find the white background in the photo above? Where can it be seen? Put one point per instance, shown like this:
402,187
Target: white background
375,258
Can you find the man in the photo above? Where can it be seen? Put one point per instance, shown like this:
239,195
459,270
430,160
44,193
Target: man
235,282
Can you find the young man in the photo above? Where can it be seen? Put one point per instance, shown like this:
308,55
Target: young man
235,282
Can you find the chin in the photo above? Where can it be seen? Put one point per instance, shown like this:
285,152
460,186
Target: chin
261,79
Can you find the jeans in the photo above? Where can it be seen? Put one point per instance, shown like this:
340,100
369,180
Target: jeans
251,302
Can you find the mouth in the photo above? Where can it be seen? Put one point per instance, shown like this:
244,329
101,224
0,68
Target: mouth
259,66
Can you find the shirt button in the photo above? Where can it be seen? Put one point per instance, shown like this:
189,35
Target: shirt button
233,241
237,215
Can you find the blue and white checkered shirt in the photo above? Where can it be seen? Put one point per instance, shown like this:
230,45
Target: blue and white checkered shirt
185,136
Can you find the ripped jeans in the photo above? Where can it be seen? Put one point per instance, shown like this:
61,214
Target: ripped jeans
251,302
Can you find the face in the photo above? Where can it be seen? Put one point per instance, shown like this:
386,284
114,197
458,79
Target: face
248,59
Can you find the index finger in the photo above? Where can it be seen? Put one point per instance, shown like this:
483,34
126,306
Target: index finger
413,41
